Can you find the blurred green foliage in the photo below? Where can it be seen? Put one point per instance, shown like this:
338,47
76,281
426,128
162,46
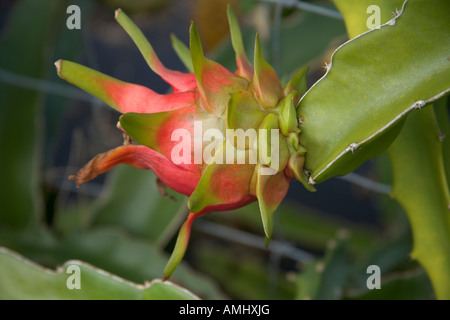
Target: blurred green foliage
128,228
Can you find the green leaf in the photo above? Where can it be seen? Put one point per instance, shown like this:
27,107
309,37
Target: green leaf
180,246
243,112
295,165
223,183
139,39
144,127
421,187
24,44
244,67
182,51
214,82
176,79
270,191
23,279
355,111
266,84
119,95
288,115
271,152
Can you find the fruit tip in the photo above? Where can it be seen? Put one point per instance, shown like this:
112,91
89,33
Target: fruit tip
117,12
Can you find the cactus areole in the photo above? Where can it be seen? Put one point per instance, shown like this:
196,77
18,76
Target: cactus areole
224,139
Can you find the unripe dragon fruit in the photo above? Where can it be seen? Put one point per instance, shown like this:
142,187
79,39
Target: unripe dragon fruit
223,139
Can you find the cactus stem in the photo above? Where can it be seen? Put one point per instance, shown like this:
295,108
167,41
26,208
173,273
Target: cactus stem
417,105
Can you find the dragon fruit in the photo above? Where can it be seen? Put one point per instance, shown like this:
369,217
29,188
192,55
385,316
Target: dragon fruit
224,139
